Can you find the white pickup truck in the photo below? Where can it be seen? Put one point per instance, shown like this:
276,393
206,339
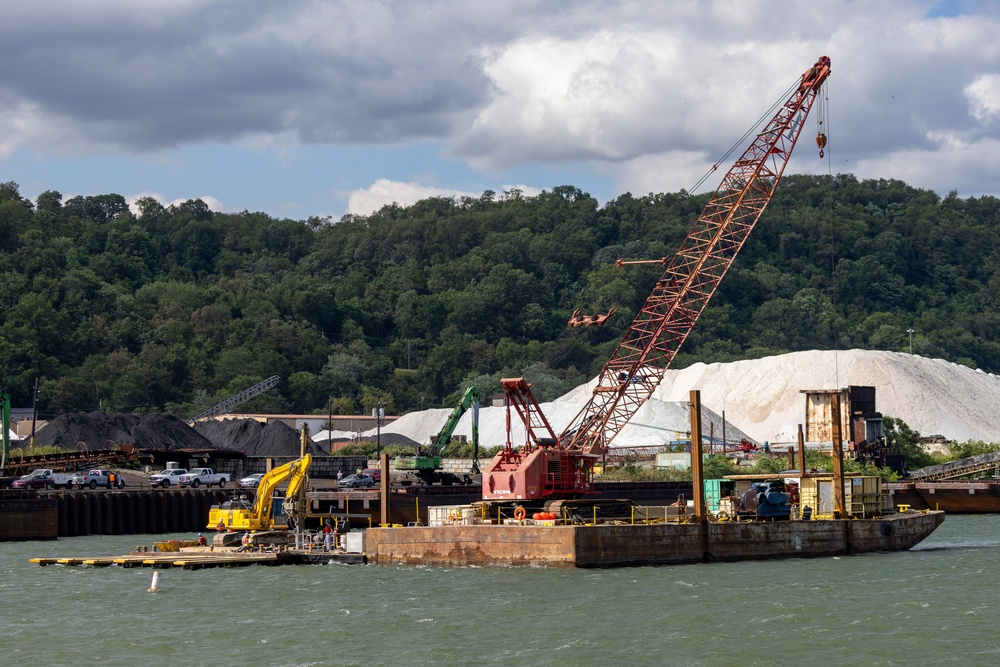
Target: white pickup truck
195,477
165,478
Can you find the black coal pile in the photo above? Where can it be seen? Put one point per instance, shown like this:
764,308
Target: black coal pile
254,438
237,434
99,430
394,439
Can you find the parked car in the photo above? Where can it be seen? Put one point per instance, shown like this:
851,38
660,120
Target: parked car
356,481
166,478
251,481
96,478
43,478
374,473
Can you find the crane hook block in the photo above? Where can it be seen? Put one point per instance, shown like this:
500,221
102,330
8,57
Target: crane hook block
821,142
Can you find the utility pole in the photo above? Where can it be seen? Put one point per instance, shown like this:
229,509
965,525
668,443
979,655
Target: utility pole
329,423
34,413
910,331
378,412
5,426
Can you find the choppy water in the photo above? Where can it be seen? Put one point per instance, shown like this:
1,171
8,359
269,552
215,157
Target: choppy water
937,604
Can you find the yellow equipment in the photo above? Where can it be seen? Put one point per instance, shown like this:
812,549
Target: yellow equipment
260,515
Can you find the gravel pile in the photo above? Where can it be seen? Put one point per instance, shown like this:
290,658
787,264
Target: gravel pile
235,434
254,438
97,430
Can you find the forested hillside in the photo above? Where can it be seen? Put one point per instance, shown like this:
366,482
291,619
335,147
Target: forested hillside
176,308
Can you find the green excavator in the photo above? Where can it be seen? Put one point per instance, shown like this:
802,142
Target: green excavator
425,466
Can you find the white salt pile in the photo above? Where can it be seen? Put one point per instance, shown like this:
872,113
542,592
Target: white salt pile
763,399
655,423
763,396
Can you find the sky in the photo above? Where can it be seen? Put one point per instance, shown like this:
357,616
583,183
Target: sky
305,108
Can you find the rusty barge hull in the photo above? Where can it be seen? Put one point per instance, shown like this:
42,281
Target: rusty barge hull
611,545
959,497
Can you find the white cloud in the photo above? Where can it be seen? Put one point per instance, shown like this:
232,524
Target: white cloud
644,93
984,97
970,167
665,172
384,192
213,203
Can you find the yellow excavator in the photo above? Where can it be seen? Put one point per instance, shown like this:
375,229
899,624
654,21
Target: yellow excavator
240,522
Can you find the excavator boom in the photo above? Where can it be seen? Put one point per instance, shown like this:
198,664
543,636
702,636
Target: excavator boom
470,399
260,515
428,464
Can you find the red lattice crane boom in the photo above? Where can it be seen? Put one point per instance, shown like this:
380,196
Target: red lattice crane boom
695,271
669,314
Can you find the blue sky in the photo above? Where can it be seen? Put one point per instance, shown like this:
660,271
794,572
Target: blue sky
319,108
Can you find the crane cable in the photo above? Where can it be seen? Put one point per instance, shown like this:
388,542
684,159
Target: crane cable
552,355
766,116
822,102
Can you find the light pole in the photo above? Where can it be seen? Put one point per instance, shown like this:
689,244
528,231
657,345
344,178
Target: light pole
329,422
378,412
34,413
910,331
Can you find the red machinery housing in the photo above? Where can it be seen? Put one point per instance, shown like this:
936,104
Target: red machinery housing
539,468
547,466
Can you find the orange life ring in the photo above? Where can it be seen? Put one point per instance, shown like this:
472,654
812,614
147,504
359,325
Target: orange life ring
520,513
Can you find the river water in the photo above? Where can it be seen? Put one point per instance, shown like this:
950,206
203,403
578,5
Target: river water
936,604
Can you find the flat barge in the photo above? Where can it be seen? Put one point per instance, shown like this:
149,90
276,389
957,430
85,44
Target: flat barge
201,558
953,497
614,545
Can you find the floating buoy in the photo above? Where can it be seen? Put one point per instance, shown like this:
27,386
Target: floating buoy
155,585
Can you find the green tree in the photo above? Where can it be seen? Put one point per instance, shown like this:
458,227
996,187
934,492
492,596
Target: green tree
904,440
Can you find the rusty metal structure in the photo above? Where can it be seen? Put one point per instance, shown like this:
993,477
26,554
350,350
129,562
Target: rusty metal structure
563,465
78,459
